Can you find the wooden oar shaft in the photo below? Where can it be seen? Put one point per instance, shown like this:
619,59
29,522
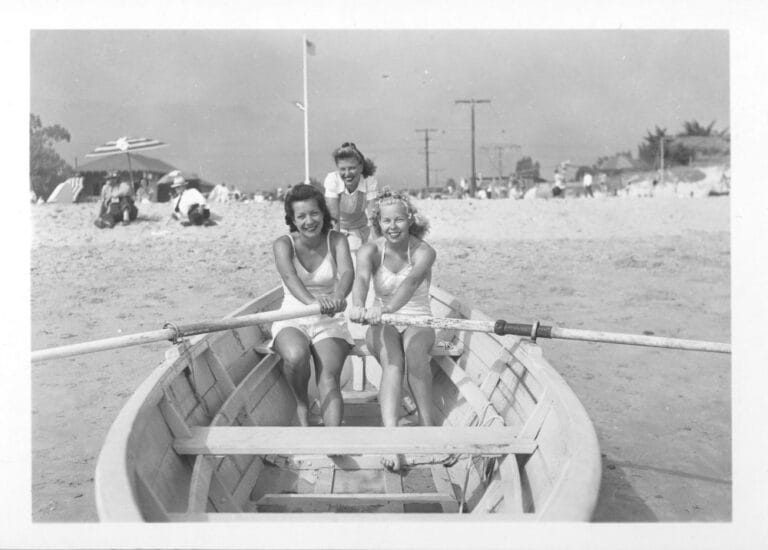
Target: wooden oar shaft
542,331
191,329
638,340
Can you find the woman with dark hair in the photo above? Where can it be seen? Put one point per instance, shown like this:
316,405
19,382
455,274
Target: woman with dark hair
350,191
315,267
400,263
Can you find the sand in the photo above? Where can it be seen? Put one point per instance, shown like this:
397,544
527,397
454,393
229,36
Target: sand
660,266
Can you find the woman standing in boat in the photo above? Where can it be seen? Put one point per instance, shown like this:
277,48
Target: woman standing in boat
400,263
350,191
316,267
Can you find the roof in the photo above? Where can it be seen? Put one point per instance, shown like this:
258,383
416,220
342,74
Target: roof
617,162
718,143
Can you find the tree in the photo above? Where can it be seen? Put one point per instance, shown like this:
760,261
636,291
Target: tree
46,167
649,152
693,128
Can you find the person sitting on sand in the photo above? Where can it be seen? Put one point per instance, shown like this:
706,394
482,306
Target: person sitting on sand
315,267
558,188
189,205
350,191
116,203
400,263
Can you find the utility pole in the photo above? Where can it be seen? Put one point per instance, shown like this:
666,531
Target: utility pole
426,147
663,137
436,170
472,102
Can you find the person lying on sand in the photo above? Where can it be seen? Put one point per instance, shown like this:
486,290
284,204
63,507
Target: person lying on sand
400,263
116,203
189,205
315,267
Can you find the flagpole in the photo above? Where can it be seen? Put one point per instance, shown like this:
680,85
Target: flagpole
306,112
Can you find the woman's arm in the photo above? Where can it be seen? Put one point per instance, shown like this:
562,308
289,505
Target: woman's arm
344,268
332,189
366,256
284,262
334,209
423,258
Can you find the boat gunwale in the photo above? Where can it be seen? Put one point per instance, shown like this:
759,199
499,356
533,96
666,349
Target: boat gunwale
115,487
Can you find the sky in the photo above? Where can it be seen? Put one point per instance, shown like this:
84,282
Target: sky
224,100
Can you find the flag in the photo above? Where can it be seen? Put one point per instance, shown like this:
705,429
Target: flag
310,47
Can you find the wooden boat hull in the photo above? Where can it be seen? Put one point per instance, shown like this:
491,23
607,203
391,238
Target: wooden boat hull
199,439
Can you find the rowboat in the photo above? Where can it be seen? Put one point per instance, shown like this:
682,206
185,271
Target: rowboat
210,435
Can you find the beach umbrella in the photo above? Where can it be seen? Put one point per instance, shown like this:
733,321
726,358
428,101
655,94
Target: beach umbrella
120,163
126,145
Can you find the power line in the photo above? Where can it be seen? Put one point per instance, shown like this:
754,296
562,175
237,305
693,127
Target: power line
426,147
472,102
500,148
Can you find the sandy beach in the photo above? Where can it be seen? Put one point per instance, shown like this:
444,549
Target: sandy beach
636,265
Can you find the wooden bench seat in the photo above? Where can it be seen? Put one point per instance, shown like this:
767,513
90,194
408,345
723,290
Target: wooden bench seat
283,499
263,440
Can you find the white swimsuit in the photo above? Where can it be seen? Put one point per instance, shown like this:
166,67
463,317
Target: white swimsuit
386,282
319,281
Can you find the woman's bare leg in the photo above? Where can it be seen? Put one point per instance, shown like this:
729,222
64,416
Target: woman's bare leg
293,346
386,345
417,344
329,355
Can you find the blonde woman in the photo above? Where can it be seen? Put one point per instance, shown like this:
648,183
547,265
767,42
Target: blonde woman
399,262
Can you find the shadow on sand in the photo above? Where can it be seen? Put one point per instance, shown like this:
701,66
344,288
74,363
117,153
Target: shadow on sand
618,501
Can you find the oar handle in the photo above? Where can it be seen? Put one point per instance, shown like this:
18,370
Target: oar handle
542,331
173,332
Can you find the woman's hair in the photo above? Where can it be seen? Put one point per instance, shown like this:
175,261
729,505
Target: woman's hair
349,151
418,224
304,192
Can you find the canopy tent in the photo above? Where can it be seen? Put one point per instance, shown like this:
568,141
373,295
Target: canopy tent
67,191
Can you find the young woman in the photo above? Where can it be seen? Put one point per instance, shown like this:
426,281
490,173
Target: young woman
400,263
350,191
316,267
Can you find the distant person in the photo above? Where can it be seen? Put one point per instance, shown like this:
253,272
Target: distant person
558,189
350,191
189,204
463,189
587,182
603,182
116,203
220,193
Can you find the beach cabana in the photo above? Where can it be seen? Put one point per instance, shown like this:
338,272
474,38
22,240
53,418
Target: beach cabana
95,171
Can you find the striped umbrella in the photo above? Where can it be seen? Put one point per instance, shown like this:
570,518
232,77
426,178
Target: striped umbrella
126,145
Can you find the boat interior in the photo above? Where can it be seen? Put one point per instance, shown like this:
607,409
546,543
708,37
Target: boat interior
212,434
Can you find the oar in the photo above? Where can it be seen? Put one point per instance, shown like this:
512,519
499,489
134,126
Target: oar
541,331
173,332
